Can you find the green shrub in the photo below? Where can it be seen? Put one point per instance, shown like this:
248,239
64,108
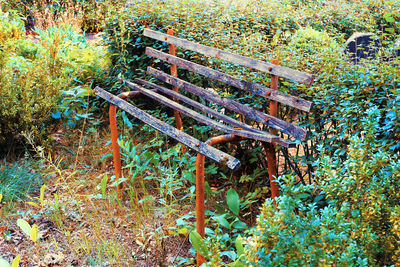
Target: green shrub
297,233
367,181
34,75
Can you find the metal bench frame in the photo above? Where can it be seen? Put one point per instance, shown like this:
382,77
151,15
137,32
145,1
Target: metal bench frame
234,129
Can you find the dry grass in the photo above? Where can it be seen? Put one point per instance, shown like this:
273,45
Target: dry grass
47,17
84,228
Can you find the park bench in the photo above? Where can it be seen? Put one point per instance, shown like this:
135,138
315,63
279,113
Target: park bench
234,129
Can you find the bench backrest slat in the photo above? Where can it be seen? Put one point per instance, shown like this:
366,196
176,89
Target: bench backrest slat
266,67
209,111
254,88
253,114
266,137
184,138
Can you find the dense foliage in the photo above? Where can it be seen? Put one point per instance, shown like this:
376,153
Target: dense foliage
84,15
287,31
292,32
34,74
338,203
359,226
297,233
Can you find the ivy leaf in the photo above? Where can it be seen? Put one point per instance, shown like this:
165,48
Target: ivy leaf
233,201
199,244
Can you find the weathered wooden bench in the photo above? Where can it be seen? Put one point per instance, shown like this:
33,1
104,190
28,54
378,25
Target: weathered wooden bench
234,129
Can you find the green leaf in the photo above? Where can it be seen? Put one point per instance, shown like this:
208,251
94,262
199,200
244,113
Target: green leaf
183,231
236,263
117,182
239,225
233,201
222,221
104,184
34,233
16,260
1,197
389,18
4,263
25,227
33,204
42,194
302,195
390,30
199,244
239,246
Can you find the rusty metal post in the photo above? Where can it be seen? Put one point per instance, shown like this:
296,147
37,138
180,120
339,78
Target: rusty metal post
200,208
174,73
114,137
270,149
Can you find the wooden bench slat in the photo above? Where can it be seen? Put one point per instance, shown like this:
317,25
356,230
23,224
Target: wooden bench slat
201,147
281,71
266,137
253,114
214,113
254,88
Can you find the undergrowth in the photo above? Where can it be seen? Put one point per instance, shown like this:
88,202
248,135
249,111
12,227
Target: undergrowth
19,179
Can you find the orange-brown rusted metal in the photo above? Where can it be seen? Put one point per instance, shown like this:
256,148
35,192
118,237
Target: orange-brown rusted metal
114,137
200,199
174,73
270,149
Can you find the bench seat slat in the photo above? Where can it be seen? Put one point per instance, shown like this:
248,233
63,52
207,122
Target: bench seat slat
210,111
254,88
253,114
201,147
284,72
266,137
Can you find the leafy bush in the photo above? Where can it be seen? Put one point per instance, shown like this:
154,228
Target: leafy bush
367,181
18,179
33,75
296,232
84,15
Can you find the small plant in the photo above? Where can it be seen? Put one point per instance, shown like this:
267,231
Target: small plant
32,232
15,262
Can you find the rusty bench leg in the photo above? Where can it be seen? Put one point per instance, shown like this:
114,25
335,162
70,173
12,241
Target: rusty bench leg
200,218
174,73
270,149
272,169
114,137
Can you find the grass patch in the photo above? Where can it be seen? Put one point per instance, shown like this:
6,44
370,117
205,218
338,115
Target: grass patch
18,179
